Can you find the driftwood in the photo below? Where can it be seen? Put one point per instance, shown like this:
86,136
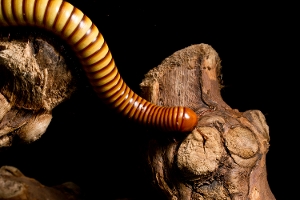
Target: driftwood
225,156
15,186
34,79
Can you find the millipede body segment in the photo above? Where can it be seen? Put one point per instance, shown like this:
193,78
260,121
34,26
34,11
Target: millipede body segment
87,42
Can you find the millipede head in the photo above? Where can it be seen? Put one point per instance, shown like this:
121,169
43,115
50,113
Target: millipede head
189,120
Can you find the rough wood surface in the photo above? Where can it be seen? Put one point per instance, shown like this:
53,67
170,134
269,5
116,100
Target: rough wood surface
15,186
225,156
34,79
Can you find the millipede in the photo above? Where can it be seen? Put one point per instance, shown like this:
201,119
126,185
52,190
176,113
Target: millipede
74,27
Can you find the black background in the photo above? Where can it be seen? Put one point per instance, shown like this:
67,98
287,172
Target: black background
86,143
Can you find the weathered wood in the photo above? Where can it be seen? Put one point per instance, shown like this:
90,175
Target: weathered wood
225,156
15,186
34,78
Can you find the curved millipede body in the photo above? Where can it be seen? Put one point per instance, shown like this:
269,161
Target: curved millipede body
82,35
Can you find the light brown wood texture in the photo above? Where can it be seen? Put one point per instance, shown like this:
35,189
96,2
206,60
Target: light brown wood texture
15,186
225,156
35,78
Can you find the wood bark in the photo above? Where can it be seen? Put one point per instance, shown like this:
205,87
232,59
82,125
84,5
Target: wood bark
15,186
225,156
34,79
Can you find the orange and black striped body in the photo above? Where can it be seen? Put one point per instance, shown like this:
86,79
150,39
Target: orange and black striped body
83,36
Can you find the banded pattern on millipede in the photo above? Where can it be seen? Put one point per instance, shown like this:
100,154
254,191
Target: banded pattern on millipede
83,36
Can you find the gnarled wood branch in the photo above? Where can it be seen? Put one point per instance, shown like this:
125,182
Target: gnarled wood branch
34,79
225,156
